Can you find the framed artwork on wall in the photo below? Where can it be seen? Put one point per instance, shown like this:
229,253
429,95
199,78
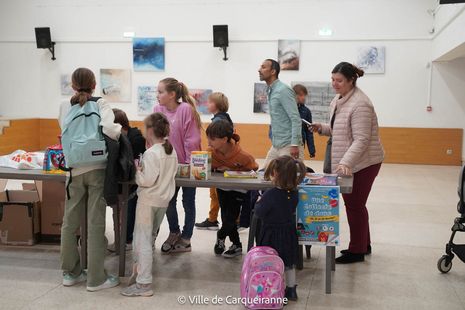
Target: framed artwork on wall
148,54
116,84
289,54
371,59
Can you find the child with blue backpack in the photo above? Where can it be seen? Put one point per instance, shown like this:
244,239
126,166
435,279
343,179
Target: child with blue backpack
276,209
86,120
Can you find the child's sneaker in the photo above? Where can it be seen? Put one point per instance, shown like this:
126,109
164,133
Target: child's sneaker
207,225
69,279
181,246
170,242
233,251
135,290
219,246
109,283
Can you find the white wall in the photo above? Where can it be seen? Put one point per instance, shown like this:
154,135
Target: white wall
448,54
89,33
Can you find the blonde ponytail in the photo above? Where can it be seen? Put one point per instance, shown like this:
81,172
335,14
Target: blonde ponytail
186,97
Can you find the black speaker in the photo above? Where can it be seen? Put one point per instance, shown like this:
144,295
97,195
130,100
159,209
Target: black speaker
450,1
43,38
220,36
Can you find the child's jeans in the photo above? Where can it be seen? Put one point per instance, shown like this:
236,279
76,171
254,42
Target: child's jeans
230,205
148,220
188,203
85,190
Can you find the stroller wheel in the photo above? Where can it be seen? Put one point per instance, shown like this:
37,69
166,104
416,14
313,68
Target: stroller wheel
444,264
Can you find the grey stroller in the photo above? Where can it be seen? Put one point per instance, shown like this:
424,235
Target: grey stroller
445,262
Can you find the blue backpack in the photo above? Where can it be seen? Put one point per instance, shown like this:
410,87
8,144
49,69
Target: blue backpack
82,136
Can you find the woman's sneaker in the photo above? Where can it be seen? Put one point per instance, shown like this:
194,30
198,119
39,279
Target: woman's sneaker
181,246
219,246
233,251
136,290
109,283
170,242
69,279
207,225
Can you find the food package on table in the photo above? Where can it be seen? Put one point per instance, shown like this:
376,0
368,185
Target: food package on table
201,165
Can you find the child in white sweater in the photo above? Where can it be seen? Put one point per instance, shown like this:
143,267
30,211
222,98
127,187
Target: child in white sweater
156,180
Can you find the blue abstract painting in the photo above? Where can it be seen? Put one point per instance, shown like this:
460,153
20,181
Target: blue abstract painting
148,54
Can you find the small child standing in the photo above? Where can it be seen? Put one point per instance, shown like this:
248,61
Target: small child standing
228,155
305,113
218,105
276,209
155,178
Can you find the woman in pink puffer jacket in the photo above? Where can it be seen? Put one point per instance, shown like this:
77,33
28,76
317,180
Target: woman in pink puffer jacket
354,148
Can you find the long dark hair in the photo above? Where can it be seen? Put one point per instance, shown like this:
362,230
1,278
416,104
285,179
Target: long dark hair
220,129
285,172
83,81
349,71
160,126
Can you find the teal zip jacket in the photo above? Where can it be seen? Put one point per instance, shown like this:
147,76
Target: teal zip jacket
285,117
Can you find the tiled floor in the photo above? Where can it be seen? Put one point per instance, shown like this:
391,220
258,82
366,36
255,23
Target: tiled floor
411,211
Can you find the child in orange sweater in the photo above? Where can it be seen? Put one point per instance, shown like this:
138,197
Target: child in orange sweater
228,155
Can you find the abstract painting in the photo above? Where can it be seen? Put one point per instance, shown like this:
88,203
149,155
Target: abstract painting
66,85
116,84
146,99
320,95
289,54
371,59
201,98
260,100
148,54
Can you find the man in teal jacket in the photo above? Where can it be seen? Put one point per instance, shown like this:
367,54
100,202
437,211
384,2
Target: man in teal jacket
286,124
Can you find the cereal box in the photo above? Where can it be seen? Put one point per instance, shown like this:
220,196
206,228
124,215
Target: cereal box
201,165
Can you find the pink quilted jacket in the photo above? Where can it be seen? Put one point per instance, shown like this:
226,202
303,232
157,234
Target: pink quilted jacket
356,142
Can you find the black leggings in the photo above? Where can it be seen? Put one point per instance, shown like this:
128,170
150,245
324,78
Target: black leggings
230,204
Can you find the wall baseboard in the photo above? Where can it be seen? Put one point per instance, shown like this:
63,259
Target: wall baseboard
402,145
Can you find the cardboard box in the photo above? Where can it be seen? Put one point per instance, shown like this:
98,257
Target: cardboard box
19,217
53,195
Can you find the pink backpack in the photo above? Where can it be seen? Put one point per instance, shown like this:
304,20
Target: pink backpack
262,279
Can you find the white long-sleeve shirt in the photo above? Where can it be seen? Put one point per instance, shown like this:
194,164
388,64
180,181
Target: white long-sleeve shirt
109,128
156,179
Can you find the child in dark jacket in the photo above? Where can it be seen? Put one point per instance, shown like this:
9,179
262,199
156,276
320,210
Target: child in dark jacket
276,209
305,113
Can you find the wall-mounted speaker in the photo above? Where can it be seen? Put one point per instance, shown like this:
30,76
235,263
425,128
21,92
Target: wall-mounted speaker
220,36
43,37
44,40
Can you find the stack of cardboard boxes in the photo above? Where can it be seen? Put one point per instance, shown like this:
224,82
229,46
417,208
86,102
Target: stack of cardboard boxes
32,214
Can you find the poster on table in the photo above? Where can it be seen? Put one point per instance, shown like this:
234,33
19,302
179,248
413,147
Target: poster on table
146,99
116,84
289,54
318,215
371,59
201,99
318,100
148,54
260,99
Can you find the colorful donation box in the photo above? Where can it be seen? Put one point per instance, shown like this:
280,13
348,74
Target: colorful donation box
53,156
318,215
